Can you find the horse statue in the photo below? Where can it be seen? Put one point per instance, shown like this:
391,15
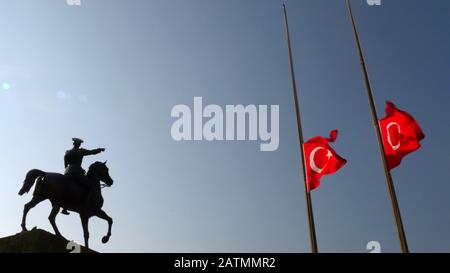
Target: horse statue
64,192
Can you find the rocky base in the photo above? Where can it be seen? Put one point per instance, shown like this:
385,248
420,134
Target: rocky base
39,241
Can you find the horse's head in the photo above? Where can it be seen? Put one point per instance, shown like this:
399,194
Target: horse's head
101,171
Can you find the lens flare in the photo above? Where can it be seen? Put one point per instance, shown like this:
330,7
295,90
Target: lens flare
6,86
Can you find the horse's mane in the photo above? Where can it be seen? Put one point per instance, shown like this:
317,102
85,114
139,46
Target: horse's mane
93,166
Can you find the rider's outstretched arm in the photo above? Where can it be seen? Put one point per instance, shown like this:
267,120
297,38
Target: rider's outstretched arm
92,152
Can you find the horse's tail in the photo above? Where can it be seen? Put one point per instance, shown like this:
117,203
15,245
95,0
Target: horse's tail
30,179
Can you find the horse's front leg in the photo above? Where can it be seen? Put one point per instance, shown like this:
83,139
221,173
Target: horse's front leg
52,219
101,214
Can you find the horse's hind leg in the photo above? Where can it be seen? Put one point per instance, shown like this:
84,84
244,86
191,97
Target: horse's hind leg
27,208
101,214
52,217
85,224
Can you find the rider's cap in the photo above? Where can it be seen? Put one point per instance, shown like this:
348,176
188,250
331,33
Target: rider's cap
77,140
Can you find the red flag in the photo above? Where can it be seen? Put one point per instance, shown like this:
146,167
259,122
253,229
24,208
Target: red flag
401,135
321,159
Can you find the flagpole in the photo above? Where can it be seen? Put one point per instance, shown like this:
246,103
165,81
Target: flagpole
312,229
390,184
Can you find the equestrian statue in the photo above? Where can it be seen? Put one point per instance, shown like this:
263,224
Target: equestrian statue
76,190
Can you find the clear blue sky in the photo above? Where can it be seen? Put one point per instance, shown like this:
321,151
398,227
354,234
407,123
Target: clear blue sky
111,71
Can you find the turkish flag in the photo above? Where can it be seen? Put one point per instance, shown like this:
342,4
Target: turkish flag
401,135
321,159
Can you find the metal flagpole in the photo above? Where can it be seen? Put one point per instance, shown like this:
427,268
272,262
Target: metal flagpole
390,184
312,229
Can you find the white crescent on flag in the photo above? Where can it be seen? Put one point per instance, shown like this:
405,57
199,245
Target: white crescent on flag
394,147
312,163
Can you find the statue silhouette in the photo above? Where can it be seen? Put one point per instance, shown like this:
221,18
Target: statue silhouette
64,191
73,160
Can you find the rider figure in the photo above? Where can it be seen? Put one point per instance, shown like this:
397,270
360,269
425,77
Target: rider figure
73,160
